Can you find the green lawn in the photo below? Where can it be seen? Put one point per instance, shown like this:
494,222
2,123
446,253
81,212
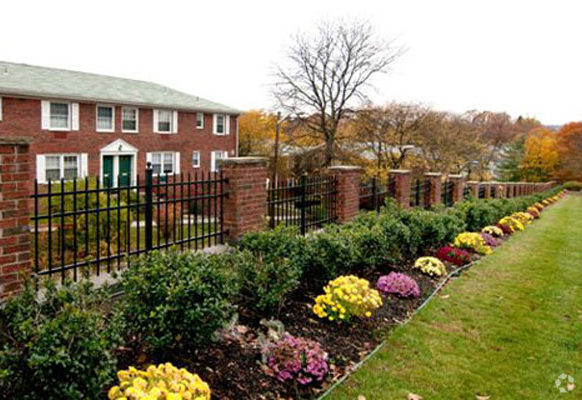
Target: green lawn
507,328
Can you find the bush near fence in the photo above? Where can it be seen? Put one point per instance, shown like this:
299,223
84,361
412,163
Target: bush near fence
174,300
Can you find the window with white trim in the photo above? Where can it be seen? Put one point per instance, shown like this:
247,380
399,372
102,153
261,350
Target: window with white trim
214,156
219,124
129,121
62,166
105,118
196,159
200,120
164,121
60,116
163,163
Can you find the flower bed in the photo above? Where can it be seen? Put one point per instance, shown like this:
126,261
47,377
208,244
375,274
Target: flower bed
168,316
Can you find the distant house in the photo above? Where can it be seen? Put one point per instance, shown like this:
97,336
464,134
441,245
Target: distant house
85,124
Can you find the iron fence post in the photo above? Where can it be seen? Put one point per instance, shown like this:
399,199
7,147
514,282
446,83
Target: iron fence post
374,194
303,188
149,210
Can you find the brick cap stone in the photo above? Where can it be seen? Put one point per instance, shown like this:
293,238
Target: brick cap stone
457,176
435,174
348,168
15,140
399,171
474,182
243,160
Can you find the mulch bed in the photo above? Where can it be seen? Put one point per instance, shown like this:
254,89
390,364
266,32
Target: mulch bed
233,368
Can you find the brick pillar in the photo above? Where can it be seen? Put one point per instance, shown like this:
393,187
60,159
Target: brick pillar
15,253
487,187
432,197
402,180
474,186
348,191
458,182
246,204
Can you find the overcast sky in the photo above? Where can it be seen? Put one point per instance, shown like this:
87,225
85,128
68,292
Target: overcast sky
518,56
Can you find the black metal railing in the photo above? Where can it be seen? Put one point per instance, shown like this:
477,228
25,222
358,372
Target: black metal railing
418,191
309,202
373,194
481,192
447,193
90,226
493,191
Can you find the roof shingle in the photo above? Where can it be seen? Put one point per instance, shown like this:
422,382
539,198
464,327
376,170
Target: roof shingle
29,80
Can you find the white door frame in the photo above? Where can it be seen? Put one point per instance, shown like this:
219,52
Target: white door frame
116,149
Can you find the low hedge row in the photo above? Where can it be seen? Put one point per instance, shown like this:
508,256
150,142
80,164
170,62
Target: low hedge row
64,346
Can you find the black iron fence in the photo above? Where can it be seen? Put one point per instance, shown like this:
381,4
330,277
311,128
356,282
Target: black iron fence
418,192
309,202
373,194
447,193
90,226
481,192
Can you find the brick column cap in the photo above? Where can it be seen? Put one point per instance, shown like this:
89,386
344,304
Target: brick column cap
456,176
399,171
345,168
474,182
435,174
242,161
15,140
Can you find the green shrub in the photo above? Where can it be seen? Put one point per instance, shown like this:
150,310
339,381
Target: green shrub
174,299
429,230
57,348
573,185
265,282
330,253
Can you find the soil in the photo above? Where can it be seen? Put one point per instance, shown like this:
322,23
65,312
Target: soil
233,368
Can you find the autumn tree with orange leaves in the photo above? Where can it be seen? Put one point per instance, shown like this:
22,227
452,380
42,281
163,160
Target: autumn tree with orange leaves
569,144
541,158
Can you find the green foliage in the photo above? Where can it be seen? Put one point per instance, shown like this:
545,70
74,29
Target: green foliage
175,299
573,185
511,159
265,282
330,253
57,348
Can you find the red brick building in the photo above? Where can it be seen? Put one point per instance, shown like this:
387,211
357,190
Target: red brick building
93,125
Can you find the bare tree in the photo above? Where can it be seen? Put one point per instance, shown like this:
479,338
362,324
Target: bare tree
391,132
327,72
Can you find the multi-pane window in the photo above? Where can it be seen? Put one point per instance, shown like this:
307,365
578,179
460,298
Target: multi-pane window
105,117
220,124
163,163
214,157
59,166
165,121
196,159
200,120
60,116
129,119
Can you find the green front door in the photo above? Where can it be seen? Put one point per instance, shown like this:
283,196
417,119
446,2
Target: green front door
124,170
108,178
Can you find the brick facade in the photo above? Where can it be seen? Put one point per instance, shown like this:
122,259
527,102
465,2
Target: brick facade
458,182
22,118
14,215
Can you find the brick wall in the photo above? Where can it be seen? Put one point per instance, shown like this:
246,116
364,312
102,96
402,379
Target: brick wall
14,214
22,117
